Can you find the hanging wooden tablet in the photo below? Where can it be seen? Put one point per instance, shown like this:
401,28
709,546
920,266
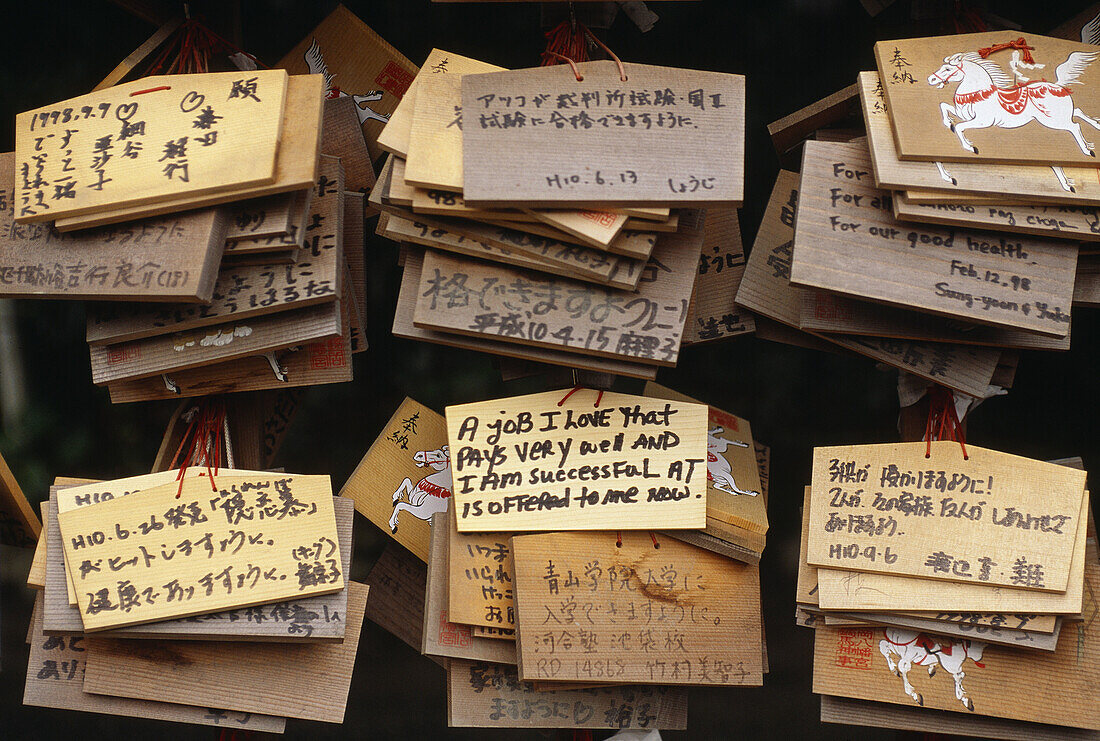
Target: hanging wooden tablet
713,314
36,574
354,250
1079,223
831,313
279,409
733,476
405,476
646,326
309,619
529,463
148,140
253,678
481,578
435,151
295,163
403,327
341,136
956,630
172,258
850,590
874,664
356,63
328,361
1031,182
672,615
595,228
992,97
482,695
143,585
216,344
19,525
649,136
55,678
398,580
847,241
443,638
791,130
976,517
243,292
260,217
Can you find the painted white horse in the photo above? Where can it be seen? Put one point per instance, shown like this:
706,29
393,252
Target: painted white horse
429,495
920,649
316,63
718,468
987,97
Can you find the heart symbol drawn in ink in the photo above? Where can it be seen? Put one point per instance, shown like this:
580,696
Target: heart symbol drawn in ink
191,101
125,111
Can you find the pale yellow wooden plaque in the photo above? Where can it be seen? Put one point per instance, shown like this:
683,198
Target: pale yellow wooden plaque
527,463
893,666
645,326
766,289
405,476
733,476
1078,185
660,137
394,138
948,102
482,695
990,518
595,228
482,576
848,241
295,163
149,140
253,540
591,610
850,590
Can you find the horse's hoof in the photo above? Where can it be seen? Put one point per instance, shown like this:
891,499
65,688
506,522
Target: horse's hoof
952,128
932,672
1072,189
393,529
969,704
954,181
974,150
920,700
1091,153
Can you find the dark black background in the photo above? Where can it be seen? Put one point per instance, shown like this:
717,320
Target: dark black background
793,52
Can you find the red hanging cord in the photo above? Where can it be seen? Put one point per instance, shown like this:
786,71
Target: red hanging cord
618,539
203,438
653,537
943,420
599,396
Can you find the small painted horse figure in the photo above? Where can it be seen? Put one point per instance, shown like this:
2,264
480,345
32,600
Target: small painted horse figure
920,649
431,494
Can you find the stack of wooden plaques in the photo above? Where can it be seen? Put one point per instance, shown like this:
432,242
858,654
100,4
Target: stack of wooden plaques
956,585
548,239
196,596
257,272
602,617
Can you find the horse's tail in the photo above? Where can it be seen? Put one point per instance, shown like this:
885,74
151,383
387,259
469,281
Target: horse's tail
1069,71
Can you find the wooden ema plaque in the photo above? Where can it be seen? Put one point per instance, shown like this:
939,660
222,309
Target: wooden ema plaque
847,241
149,140
398,580
357,63
713,314
246,677
990,518
980,97
55,679
529,463
170,258
1079,223
462,296
592,611
892,665
295,164
1037,182
766,289
403,327
253,541
405,476
481,578
261,217
483,695
658,136
248,291
733,476
19,525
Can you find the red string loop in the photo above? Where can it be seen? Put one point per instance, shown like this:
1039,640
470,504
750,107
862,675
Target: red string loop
1019,44
599,396
572,64
943,420
618,539
203,438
